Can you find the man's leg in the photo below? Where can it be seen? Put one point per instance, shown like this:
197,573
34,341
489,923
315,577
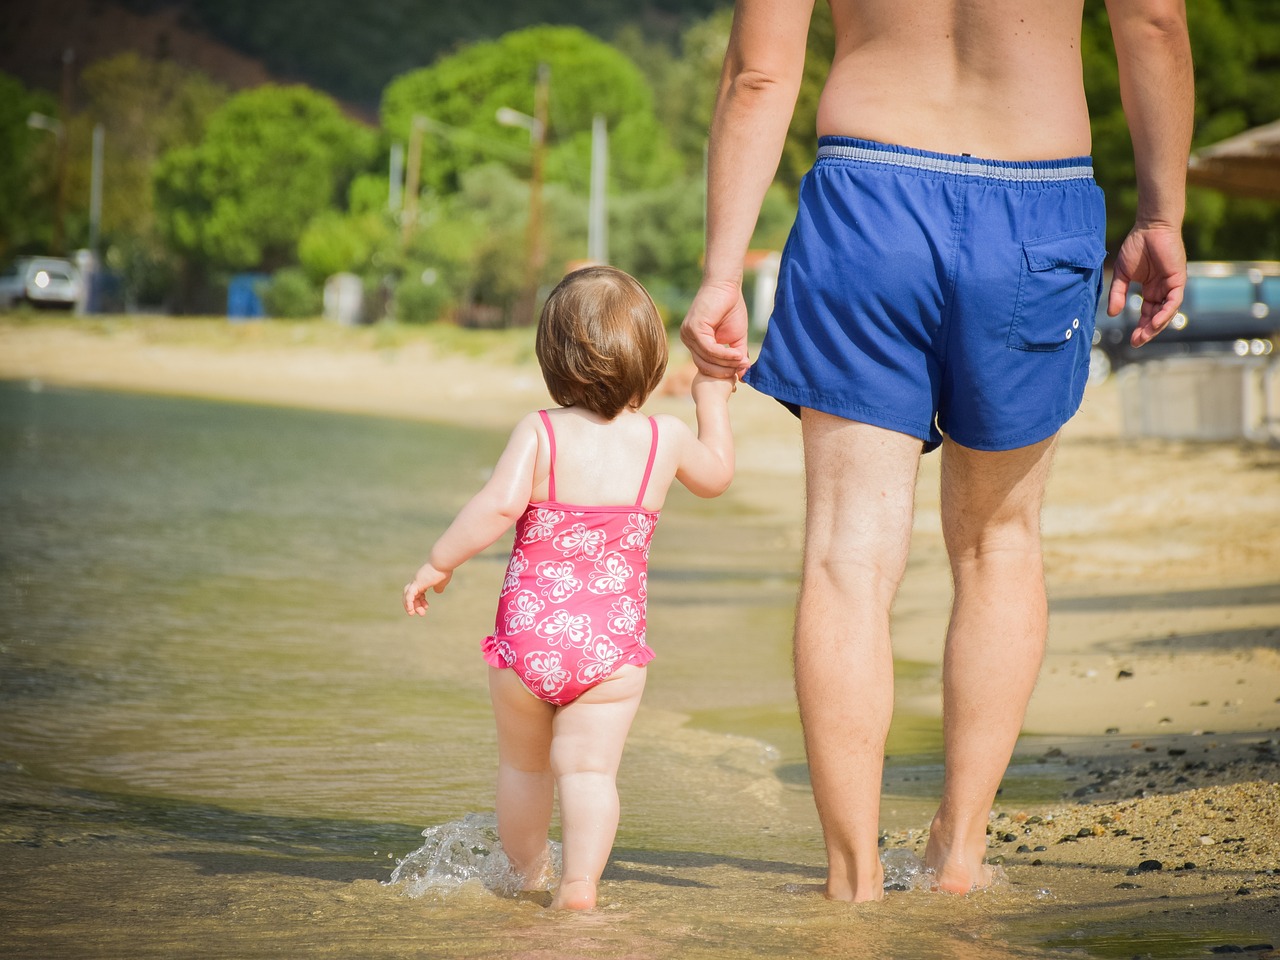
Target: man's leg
860,482
999,620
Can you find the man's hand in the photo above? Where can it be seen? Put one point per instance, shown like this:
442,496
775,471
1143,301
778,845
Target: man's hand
715,330
1154,257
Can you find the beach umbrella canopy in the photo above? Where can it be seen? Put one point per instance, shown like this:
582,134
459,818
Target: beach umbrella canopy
1246,165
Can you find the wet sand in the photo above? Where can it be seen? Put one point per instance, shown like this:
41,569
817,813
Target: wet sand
1160,691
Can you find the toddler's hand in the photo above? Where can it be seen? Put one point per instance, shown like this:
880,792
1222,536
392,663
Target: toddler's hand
415,593
713,387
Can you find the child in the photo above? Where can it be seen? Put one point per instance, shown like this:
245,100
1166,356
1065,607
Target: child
583,484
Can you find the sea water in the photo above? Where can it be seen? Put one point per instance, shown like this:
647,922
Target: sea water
221,736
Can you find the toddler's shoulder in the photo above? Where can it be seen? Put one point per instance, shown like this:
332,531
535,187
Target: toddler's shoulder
670,425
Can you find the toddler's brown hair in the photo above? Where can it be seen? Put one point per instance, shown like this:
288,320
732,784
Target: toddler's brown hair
600,342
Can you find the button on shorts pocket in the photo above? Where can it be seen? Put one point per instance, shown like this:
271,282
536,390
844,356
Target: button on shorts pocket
1057,290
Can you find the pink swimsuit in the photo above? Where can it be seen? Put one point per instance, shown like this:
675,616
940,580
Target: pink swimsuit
572,607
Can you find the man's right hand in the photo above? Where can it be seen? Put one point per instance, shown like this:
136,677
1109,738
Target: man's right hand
715,330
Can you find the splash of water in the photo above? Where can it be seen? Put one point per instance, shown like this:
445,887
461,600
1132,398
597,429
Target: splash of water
903,870
461,852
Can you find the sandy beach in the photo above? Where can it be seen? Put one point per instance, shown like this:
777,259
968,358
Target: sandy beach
1162,680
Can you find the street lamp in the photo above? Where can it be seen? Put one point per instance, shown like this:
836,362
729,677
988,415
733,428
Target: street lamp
38,121
537,127
514,118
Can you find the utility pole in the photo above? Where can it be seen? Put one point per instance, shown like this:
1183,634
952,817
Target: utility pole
95,191
395,177
597,210
60,196
409,220
537,256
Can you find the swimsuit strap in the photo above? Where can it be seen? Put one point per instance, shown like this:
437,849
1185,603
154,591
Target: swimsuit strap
648,467
551,436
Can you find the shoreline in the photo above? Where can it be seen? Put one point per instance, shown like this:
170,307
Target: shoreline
1162,559
1162,679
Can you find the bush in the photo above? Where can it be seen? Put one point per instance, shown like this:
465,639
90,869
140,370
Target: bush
291,294
420,302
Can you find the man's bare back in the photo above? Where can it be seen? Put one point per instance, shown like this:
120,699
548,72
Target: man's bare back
999,79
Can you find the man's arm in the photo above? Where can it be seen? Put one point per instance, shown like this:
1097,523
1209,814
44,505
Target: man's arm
758,87
1157,88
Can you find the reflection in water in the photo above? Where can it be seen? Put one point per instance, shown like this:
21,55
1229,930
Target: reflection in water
216,728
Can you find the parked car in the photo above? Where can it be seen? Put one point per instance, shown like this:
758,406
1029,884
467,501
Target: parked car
41,281
1229,309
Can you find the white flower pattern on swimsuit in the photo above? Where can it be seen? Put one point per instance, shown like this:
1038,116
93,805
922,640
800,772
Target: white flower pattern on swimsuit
557,580
598,660
545,672
521,611
515,566
610,575
563,627
542,525
624,616
638,533
579,543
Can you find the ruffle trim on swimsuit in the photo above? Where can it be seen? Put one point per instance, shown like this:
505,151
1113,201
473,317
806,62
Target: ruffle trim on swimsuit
493,656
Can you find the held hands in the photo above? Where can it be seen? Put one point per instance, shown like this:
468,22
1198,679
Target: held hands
715,329
415,593
1154,257
706,387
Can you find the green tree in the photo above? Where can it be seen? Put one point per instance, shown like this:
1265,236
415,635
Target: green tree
464,91
27,173
684,84
1236,47
271,159
146,108
802,138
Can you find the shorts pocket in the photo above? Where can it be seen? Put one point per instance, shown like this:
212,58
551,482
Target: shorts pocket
1057,290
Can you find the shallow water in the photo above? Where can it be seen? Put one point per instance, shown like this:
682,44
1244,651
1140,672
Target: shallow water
219,736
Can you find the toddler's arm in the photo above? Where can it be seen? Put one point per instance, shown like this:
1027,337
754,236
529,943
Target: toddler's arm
486,517
706,463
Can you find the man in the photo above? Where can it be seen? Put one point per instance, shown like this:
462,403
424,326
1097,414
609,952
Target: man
939,287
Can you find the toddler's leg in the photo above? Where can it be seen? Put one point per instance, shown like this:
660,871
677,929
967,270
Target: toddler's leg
586,748
526,788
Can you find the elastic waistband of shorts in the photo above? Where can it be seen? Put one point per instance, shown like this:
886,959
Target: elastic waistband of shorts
963,165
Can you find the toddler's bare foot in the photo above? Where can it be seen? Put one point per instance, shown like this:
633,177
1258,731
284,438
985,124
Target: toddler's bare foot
538,874
575,895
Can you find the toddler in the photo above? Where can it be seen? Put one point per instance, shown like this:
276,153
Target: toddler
583,485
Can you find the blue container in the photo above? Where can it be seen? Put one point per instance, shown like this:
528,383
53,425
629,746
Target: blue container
243,302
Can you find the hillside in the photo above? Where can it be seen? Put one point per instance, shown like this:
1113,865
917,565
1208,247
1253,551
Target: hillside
348,50
35,33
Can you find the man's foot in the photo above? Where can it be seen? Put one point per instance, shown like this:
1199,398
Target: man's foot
959,878
853,889
575,895
955,870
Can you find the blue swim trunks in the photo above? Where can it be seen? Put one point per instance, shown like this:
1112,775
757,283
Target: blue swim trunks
934,294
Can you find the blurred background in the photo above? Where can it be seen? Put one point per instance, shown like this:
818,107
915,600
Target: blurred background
445,161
